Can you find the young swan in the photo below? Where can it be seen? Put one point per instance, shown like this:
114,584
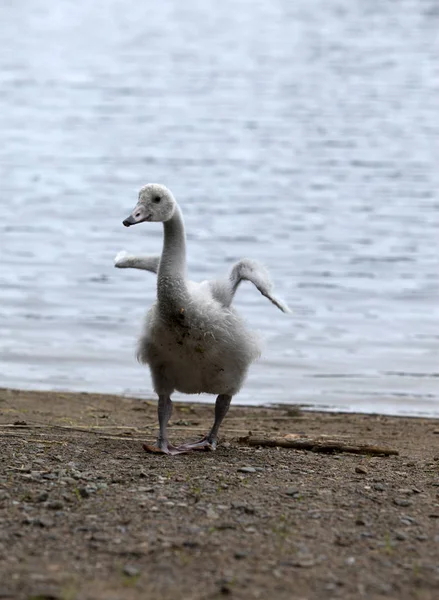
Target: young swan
193,340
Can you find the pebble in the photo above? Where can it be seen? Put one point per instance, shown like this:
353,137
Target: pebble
292,492
42,497
55,505
246,470
239,555
343,540
211,514
406,520
130,571
68,481
401,536
43,522
402,502
379,487
304,563
190,544
361,470
84,491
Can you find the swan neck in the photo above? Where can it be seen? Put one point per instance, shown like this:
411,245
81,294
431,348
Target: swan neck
172,282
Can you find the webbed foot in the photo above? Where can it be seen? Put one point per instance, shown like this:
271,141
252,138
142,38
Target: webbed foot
205,444
164,448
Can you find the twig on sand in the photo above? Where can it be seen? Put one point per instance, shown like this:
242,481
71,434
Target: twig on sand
317,445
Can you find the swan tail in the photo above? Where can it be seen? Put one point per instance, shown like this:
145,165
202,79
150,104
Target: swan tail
256,273
123,260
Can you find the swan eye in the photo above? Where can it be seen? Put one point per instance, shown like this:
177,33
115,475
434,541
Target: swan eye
156,199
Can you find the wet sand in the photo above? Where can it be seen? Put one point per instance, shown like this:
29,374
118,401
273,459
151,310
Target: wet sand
86,513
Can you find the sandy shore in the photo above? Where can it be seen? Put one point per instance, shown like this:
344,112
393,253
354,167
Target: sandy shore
85,513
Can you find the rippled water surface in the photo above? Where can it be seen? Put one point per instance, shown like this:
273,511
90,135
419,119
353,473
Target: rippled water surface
304,134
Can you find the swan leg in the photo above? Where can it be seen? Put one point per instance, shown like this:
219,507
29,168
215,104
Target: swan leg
162,445
209,441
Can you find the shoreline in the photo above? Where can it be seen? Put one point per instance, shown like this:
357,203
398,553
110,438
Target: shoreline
201,399
86,513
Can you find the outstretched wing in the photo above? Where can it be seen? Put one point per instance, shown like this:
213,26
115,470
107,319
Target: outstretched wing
123,260
246,270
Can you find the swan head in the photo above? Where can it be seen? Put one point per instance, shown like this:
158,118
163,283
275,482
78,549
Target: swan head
156,203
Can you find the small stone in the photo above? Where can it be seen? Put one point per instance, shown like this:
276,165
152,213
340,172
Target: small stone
416,491
42,497
292,492
406,520
402,502
225,589
422,537
43,522
68,481
250,530
379,487
304,563
343,539
246,470
190,544
211,514
401,536
239,555
361,470
360,521
130,571
55,505
84,491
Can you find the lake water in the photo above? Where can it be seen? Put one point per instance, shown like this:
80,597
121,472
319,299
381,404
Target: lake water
304,134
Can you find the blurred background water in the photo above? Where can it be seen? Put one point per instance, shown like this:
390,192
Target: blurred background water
304,134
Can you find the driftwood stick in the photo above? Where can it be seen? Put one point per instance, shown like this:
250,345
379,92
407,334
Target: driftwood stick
316,445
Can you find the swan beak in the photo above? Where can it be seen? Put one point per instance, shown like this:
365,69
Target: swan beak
129,221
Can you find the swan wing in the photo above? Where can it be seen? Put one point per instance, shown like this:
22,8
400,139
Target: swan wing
224,290
123,260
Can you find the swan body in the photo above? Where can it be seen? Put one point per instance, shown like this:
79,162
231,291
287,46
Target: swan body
193,339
